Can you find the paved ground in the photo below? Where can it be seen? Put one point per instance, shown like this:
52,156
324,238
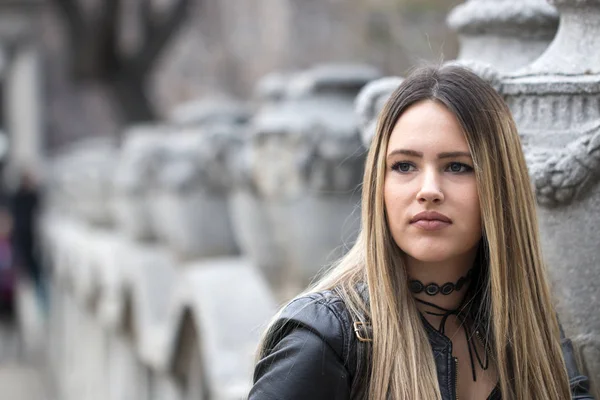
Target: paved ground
18,382
21,368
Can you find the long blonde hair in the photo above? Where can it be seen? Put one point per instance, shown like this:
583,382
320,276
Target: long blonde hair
516,297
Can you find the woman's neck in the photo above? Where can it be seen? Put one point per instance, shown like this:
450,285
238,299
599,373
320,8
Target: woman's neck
441,273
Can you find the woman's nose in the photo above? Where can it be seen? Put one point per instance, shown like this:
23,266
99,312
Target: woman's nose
430,191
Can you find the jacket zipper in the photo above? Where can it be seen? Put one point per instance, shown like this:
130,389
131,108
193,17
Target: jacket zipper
455,378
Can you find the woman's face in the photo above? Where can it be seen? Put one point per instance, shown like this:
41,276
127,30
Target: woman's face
430,189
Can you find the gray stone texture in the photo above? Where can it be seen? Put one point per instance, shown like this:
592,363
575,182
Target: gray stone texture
309,166
370,102
201,167
191,197
555,104
554,100
252,222
131,354
141,157
507,34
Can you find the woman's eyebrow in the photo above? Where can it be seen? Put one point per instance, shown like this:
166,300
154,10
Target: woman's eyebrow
418,154
406,152
454,154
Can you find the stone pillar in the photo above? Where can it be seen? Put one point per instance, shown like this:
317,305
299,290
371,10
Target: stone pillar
369,103
85,175
507,34
23,106
308,165
142,154
22,73
192,202
125,374
271,88
251,222
556,101
193,196
208,113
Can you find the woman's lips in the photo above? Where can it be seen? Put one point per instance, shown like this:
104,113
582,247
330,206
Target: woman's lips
430,224
430,220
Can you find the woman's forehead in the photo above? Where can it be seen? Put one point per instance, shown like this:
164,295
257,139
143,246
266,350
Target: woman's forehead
428,126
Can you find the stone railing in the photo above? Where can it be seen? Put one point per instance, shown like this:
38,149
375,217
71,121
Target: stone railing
171,252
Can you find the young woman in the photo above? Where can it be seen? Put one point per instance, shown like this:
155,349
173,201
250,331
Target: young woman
445,294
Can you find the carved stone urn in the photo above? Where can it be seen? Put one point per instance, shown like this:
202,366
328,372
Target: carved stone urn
251,221
556,102
191,200
139,161
307,167
370,101
507,34
80,181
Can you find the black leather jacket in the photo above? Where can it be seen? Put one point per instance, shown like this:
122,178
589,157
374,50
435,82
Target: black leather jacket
312,355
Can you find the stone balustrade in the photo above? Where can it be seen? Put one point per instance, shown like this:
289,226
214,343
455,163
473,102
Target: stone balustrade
170,252
308,167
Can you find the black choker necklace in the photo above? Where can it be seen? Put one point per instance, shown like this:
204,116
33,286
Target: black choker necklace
416,286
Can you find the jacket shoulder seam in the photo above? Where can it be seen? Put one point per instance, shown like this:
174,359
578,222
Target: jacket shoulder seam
329,302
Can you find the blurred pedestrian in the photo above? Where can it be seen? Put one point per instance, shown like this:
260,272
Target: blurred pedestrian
24,205
7,270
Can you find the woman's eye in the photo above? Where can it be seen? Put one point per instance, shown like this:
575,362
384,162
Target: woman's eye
402,167
459,167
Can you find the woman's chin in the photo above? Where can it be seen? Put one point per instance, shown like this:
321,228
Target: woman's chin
429,254
430,257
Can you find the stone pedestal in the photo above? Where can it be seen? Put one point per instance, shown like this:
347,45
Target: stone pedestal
369,103
230,306
308,166
194,183
206,113
142,155
124,373
86,176
507,34
191,200
252,225
271,88
24,104
253,230
164,388
555,102
22,75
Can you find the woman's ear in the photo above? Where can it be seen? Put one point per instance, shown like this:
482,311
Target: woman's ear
369,103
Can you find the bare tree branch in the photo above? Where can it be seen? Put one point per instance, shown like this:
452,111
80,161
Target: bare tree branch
108,35
96,55
147,18
72,14
160,35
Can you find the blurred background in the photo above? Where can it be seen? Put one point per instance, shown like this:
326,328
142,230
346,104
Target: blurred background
108,63
175,170
71,70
